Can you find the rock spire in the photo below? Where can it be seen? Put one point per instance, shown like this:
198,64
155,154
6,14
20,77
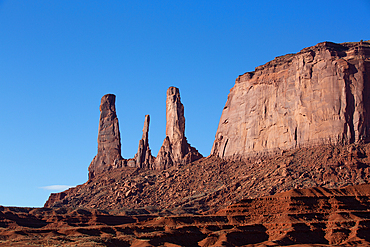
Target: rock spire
175,148
109,141
144,158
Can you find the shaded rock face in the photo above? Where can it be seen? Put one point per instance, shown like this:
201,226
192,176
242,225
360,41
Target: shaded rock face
109,141
319,95
175,148
144,158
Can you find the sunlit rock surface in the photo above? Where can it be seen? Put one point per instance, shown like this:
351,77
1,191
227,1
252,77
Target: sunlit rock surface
319,95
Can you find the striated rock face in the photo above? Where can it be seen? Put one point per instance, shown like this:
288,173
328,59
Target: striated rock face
319,95
175,149
144,158
109,141
306,217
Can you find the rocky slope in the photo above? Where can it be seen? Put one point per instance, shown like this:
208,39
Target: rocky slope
210,184
319,95
307,217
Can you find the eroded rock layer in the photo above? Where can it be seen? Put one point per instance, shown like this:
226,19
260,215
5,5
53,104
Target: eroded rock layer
319,95
109,141
175,149
308,217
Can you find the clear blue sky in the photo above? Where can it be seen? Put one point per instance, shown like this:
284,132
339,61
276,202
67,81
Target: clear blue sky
58,58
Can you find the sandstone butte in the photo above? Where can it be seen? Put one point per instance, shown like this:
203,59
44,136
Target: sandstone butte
328,65
310,109
320,95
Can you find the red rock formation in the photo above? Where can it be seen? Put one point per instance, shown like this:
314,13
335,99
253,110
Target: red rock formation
144,158
319,95
208,184
109,141
175,149
309,217
268,205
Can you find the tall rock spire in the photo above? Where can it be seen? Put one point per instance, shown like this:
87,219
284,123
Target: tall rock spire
144,158
109,141
175,149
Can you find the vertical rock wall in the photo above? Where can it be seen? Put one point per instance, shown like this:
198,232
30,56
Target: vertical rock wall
319,95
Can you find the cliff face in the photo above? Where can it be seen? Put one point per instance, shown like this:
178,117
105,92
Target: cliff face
319,95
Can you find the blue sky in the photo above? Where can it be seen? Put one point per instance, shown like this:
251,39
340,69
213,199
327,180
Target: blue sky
58,58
